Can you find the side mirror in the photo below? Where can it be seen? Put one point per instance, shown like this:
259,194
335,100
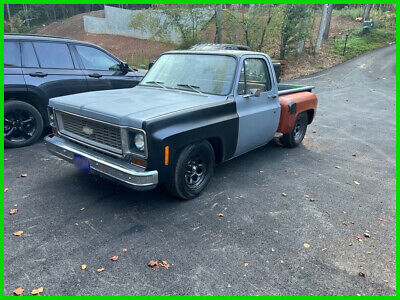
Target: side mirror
253,92
151,64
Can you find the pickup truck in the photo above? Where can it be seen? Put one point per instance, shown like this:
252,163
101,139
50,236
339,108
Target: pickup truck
192,111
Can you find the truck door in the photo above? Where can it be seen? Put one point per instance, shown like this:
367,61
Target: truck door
257,103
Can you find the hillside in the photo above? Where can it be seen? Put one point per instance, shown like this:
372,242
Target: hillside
133,50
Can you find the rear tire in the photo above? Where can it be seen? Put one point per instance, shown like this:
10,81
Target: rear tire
296,136
192,171
23,124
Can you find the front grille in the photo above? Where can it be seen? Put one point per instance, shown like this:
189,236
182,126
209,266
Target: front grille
101,133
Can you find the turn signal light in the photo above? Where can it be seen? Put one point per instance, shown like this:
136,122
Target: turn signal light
166,155
138,162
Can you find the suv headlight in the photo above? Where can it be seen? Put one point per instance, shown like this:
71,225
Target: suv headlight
52,117
139,141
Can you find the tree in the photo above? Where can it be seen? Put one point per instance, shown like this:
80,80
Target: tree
292,28
189,20
367,10
328,21
218,24
321,28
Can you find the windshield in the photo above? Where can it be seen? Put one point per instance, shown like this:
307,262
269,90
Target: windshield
200,73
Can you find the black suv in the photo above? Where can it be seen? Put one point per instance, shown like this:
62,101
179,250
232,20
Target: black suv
37,68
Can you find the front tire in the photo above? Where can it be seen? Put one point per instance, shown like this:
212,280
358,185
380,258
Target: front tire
23,124
192,171
296,136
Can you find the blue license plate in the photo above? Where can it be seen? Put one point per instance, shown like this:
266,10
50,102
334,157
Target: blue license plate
81,162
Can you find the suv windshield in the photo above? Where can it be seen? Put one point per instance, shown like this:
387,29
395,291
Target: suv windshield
201,73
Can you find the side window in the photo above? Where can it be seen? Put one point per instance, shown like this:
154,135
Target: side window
95,59
29,59
12,55
53,55
254,75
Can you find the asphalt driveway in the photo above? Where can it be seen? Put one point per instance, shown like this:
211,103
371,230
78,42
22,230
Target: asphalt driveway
341,243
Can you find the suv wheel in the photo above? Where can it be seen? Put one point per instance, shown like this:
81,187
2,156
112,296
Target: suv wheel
296,136
23,124
192,171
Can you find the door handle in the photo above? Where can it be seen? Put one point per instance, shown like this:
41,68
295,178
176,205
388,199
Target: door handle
95,75
38,74
272,96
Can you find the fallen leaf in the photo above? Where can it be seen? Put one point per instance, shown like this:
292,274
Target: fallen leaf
5,190
19,291
282,262
220,214
306,245
125,250
356,182
18,233
350,244
314,131
362,274
369,252
367,235
262,171
346,223
37,291
312,199
324,249
383,220
22,175
284,194
76,224
60,159
13,211
5,159
152,263
272,250
83,267
82,208
246,264
100,270
164,264
359,238
307,196
338,167
354,154
114,258
46,159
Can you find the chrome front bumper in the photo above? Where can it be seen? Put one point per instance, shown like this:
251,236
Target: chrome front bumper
103,165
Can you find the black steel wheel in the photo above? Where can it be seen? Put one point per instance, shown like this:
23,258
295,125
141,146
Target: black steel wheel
23,124
296,136
192,171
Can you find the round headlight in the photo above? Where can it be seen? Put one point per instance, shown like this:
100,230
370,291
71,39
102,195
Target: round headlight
139,141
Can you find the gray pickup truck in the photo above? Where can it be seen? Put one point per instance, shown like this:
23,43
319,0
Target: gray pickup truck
192,110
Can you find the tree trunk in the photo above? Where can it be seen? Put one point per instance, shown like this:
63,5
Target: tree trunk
218,24
304,24
54,12
328,22
321,28
367,10
234,27
8,12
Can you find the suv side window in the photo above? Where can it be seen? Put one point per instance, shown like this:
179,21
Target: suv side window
95,59
12,55
254,75
29,59
53,55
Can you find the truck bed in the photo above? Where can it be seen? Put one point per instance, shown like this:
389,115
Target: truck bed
284,89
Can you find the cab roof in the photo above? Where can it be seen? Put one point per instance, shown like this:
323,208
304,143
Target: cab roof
235,53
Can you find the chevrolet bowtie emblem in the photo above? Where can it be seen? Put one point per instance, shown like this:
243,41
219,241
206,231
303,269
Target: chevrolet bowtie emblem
87,130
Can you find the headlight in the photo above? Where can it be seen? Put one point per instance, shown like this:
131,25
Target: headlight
51,117
139,141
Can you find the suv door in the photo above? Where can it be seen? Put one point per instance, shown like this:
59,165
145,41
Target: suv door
103,71
258,115
50,70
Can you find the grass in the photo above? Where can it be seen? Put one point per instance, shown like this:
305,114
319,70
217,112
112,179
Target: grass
359,42
350,13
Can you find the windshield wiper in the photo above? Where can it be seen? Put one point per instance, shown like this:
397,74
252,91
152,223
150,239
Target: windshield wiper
159,83
193,87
